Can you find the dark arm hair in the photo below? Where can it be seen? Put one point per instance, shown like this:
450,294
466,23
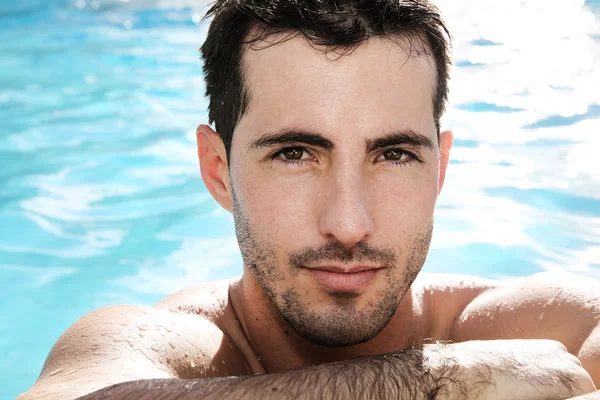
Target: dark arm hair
399,375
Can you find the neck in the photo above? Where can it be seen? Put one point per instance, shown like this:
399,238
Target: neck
279,348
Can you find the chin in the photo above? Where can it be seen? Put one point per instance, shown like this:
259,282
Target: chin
340,324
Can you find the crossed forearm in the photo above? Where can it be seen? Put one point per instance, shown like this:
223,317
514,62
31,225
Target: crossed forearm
589,396
524,369
395,375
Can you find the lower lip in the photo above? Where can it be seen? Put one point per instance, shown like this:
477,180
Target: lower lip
343,282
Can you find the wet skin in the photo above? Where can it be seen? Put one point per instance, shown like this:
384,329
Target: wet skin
336,166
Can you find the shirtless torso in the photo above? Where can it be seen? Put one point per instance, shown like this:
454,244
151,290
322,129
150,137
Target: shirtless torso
209,331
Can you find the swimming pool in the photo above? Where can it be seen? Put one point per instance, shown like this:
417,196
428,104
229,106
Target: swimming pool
101,201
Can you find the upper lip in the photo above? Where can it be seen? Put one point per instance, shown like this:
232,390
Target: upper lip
344,270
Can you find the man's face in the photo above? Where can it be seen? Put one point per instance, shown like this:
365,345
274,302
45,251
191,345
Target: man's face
335,167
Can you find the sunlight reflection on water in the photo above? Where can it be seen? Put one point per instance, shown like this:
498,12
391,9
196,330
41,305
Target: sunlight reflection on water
102,201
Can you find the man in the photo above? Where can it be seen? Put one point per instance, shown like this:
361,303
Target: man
330,157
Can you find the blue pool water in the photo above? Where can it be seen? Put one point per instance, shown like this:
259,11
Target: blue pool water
101,200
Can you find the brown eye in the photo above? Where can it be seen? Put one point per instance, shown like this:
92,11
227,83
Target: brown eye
393,155
293,153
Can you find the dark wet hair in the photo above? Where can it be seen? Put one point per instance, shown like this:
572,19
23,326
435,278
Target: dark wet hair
332,25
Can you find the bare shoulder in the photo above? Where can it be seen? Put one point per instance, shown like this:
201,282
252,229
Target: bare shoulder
207,300
440,283
549,305
443,297
124,343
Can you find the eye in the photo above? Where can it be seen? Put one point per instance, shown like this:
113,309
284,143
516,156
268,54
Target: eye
291,155
397,156
393,155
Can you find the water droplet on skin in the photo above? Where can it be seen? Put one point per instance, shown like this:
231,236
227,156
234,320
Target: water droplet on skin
55,372
192,364
541,317
142,327
154,349
451,290
171,344
140,334
461,282
185,355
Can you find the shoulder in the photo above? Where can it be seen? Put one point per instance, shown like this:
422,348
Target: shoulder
207,300
548,305
127,342
441,298
439,282
179,345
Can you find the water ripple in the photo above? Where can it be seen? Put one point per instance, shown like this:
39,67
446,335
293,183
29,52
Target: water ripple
101,198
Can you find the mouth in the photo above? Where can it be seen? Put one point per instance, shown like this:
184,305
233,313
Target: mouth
344,279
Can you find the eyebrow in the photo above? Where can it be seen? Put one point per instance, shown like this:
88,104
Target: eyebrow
406,137
299,136
292,136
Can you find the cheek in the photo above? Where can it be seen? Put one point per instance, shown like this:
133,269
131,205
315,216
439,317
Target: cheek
278,206
405,201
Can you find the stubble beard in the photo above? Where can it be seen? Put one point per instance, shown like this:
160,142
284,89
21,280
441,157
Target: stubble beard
342,325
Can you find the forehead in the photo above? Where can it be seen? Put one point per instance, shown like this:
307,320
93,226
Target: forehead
376,88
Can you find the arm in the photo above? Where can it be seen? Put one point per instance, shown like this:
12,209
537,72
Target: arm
126,343
493,370
589,354
558,306
396,375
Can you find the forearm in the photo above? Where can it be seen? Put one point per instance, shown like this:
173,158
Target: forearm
589,396
396,375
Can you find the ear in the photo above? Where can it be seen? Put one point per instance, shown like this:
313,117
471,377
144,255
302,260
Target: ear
213,165
445,146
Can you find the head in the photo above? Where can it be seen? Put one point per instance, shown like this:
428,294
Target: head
328,151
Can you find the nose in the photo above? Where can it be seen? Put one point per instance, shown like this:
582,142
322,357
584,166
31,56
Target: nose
345,217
